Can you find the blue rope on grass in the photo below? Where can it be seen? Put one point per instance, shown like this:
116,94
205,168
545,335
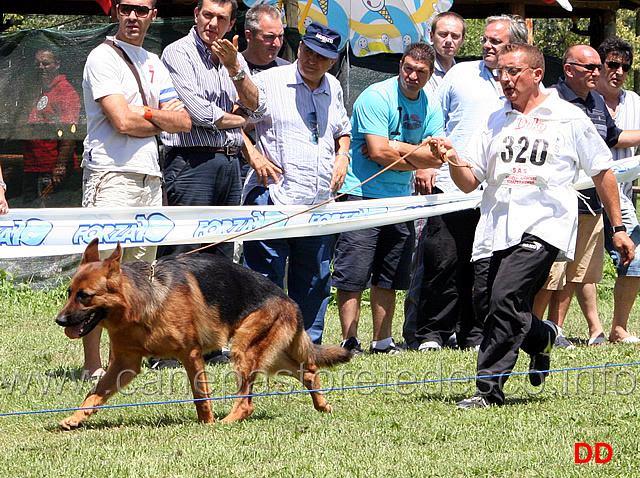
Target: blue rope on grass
293,392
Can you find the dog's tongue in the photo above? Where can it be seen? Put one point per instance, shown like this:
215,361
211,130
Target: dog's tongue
73,332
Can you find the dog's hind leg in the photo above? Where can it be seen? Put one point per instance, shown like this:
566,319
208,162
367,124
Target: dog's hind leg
308,375
121,371
263,337
194,365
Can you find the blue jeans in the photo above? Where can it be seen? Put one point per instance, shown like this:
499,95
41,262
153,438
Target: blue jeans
309,274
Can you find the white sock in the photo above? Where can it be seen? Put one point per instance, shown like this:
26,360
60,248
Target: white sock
559,331
382,344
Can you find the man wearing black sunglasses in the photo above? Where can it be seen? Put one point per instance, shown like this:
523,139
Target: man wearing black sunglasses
624,106
582,69
125,112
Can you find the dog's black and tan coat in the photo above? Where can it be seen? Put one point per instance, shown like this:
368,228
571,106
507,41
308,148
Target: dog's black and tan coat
184,307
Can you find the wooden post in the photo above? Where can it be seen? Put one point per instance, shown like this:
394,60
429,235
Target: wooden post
518,9
609,21
291,17
636,74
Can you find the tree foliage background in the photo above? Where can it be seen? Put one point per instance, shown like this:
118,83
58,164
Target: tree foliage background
553,36
60,22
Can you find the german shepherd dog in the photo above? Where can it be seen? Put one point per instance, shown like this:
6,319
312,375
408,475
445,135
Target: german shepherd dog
185,306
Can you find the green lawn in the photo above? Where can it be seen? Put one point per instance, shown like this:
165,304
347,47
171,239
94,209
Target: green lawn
411,430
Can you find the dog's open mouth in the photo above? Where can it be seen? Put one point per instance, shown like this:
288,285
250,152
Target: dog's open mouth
86,326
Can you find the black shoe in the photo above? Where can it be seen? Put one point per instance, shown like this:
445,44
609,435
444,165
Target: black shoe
541,362
159,364
452,342
352,344
217,357
391,349
477,401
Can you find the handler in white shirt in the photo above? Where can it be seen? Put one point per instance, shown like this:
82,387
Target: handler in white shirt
529,153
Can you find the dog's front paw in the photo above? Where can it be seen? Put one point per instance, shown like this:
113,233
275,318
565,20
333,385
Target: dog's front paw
70,423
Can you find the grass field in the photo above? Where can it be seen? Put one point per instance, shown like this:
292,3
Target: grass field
409,430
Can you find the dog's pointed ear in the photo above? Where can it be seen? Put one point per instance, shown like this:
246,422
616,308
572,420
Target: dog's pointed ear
91,253
116,255
113,262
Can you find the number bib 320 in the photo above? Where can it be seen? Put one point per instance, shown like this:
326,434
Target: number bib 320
523,151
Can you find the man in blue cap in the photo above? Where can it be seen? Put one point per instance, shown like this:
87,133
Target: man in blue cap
305,132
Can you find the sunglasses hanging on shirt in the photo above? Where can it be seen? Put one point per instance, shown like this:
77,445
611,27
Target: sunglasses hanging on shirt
397,130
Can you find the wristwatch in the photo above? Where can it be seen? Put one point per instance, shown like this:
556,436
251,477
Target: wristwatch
619,229
239,76
4,185
344,153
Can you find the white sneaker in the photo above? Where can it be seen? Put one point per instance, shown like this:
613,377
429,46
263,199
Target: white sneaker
429,345
599,340
632,339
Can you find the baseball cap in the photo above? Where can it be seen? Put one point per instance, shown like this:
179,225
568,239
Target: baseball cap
323,40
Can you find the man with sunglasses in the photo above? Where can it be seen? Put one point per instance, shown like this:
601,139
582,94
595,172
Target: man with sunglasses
624,107
120,157
528,153
582,66
306,134
468,94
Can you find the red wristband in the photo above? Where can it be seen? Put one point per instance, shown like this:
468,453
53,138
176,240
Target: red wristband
148,113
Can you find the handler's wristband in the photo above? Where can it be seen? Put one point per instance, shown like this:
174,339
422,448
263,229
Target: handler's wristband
3,185
148,113
619,229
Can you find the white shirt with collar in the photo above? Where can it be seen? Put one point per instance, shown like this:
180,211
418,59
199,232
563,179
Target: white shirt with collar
468,95
530,163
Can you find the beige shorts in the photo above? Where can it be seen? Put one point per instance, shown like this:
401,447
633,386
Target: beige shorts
111,189
587,266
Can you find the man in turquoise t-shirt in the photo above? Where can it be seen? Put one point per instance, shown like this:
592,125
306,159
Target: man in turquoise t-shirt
389,119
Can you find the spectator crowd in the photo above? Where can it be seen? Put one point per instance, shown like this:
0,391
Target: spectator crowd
250,128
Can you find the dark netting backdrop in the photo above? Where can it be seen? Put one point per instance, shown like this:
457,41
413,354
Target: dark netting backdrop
40,88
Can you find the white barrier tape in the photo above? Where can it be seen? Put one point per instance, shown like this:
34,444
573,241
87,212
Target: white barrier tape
61,231
49,232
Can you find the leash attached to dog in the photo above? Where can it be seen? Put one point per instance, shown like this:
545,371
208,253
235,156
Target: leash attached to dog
436,152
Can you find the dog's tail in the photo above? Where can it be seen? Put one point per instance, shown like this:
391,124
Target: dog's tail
303,350
330,355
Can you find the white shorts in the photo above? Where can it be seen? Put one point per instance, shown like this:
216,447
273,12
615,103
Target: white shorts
116,189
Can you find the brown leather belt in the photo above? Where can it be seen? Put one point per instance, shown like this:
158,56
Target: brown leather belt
227,150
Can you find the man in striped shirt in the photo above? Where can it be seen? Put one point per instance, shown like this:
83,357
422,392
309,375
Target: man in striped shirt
202,166
306,132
